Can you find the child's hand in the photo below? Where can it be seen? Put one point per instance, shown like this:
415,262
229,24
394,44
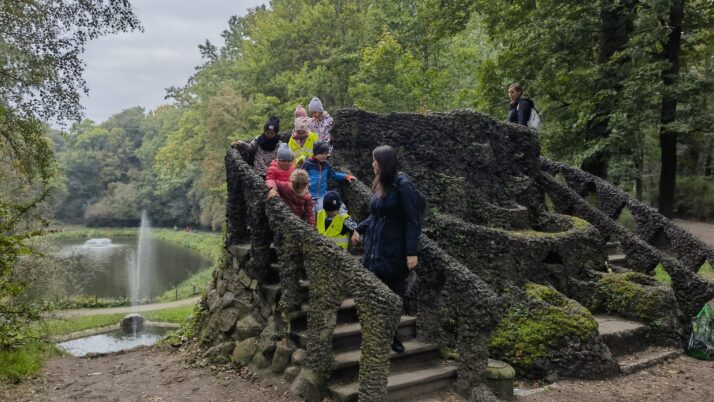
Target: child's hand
272,193
351,179
355,238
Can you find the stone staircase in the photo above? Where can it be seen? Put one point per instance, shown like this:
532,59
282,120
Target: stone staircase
630,345
419,370
629,341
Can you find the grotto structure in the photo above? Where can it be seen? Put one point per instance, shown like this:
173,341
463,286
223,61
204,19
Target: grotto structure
521,259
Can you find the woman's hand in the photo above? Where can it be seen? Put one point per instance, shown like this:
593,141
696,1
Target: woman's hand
355,238
412,262
272,193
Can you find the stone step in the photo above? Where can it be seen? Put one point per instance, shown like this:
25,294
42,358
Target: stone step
621,335
649,357
613,247
346,313
349,336
416,354
404,385
618,259
242,251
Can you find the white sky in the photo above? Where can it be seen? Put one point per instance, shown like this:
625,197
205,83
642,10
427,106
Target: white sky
134,69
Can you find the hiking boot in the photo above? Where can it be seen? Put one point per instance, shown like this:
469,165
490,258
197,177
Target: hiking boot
397,345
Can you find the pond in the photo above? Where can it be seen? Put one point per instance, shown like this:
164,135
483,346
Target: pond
101,267
113,341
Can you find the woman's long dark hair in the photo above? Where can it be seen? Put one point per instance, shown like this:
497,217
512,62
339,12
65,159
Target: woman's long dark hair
386,158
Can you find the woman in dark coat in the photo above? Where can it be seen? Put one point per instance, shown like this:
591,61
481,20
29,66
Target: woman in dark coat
391,232
519,111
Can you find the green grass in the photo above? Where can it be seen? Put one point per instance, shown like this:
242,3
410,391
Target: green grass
186,287
661,275
706,271
24,361
176,315
63,326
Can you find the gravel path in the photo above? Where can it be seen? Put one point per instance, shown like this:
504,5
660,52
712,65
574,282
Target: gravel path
145,374
704,231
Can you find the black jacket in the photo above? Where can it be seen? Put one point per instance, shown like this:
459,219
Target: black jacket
391,232
520,111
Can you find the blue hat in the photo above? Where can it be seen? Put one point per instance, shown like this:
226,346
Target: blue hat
331,201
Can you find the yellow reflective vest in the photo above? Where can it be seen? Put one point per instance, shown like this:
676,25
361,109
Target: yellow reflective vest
335,229
304,151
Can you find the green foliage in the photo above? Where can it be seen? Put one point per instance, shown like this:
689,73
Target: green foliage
531,328
24,361
695,197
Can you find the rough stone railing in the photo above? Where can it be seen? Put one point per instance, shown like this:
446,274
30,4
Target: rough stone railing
561,253
690,290
652,226
331,272
446,292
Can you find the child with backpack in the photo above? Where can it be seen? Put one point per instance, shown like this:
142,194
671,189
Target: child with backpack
335,225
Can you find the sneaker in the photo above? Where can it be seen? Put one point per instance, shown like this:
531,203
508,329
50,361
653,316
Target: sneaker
397,345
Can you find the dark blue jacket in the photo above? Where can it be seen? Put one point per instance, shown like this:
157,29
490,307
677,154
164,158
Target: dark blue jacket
520,111
391,232
319,173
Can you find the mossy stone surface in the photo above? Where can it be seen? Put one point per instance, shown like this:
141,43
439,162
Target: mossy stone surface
542,323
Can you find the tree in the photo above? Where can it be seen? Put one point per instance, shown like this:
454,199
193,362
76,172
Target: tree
41,42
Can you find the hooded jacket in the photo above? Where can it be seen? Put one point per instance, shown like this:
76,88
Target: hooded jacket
277,174
319,173
302,206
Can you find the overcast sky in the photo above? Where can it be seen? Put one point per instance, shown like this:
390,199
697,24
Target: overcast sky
134,69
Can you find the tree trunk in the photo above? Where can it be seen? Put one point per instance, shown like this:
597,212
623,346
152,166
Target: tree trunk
616,25
668,136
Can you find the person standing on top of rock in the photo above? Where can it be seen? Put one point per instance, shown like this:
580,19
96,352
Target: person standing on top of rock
391,232
302,140
281,168
520,106
321,121
264,147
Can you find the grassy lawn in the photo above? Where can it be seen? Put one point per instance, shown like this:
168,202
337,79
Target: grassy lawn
75,324
24,361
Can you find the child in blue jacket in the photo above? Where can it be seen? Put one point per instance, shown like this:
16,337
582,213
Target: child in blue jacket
319,170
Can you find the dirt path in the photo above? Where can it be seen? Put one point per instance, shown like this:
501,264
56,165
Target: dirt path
125,310
704,231
147,374
683,379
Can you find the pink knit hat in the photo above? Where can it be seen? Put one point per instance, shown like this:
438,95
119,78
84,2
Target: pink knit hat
300,111
302,123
